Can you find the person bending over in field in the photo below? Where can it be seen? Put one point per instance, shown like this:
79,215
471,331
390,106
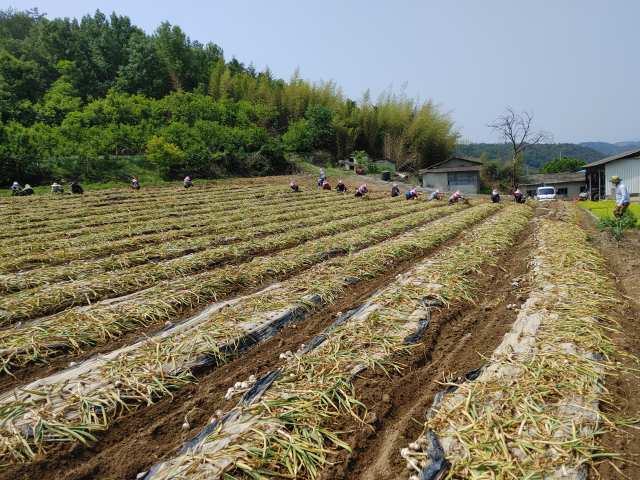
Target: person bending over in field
341,187
321,178
518,197
455,197
15,189
134,184
294,187
55,188
27,190
187,182
495,197
622,197
395,191
435,195
411,194
362,191
326,186
76,188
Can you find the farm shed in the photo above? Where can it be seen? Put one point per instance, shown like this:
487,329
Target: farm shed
626,165
453,174
567,184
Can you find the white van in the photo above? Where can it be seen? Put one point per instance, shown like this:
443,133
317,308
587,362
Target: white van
546,193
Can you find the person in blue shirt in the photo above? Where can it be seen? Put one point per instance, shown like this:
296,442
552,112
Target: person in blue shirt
622,196
411,194
435,195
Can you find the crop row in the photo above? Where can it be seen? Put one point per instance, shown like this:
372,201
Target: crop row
533,413
51,298
68,229
76,328
107,234
84,398
314,385
133,204
44,207
169,249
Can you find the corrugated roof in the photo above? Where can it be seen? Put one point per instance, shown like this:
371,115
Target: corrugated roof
454,158
562,177
451,169
627,154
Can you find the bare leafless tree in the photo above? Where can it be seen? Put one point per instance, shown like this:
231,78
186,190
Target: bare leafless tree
518,130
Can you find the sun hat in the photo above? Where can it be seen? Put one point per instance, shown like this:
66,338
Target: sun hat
517,192
413,190
615,178
340,182
458,194
293,184
55,184
365,185
495,192
437,191
187,179
395,185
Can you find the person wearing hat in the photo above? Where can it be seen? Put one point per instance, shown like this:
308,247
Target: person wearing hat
518,197
15,189
325,185
362,191
134,184
321,178
455,197
55,188
435,195
395,191
342,188
187,182
27,190
495,197
622,196
294,187
411,194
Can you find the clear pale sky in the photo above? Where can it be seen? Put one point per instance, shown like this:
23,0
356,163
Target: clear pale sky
574,63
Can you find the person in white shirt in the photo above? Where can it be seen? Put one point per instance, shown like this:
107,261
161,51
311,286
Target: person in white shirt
622,196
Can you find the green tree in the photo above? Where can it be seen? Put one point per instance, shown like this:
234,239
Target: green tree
163,155
564,164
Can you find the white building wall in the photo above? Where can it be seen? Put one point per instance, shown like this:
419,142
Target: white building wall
628,169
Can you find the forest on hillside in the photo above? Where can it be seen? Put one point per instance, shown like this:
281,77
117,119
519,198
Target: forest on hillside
93,90
535,156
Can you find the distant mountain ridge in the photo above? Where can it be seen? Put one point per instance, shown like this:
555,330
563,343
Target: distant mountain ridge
610,149
535,156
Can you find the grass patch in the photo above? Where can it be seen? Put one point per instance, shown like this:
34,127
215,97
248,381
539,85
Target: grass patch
602,209
331,172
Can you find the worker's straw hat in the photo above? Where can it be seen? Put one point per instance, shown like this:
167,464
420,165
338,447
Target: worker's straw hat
55,184
615,178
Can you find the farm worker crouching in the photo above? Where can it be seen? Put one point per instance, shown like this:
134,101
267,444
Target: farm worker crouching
322,178
395,191
15,189
26,191
495,197
325,185
76,188
518,197
455,197
134,184
187,182
435,195
622,196
55,188
294,187
341,187
413,193
362,191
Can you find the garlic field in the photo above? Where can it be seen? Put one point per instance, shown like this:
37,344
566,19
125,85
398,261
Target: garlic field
244,331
